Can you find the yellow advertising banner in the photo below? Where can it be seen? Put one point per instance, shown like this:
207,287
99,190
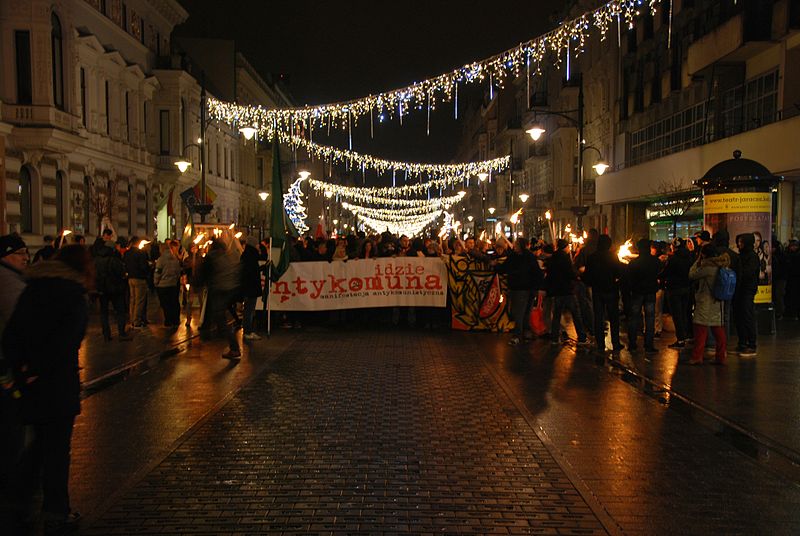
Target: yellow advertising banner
737,202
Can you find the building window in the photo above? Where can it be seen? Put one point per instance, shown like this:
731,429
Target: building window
87,191
158,44
145,112
103,7
22,42
127,116
678,132
83,98
58,62
25,200
141,30
124,20
164,131
750,105
260,171
61,178
183,124
108,108
131,208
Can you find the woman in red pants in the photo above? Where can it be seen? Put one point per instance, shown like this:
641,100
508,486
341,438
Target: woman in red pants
708,311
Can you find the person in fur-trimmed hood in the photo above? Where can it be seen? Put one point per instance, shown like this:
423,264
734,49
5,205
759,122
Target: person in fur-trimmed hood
708,311
41,343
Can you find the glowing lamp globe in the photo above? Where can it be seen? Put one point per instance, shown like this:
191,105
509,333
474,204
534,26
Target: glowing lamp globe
183,165
535,132
248,132
600,167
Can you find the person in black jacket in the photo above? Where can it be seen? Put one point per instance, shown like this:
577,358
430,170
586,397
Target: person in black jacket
560,282
41,343
111,285
603,273
138,270
524,277
643,282
744,298
251,287
675,277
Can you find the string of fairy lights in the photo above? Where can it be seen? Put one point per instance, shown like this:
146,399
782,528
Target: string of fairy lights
557,46
392,208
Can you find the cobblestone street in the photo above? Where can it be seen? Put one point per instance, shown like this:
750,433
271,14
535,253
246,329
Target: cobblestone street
419,432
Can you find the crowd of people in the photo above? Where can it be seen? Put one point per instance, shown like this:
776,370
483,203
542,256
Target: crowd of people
45,307
44,314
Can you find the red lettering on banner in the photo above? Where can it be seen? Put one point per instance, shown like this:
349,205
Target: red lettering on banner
355,284
318,286
395,279
374,283
415,280
433,282
299,285
336,285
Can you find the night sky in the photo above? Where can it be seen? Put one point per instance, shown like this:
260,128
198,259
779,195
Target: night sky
331,51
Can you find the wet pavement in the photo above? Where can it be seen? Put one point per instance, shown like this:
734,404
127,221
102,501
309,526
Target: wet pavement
758,395
330,431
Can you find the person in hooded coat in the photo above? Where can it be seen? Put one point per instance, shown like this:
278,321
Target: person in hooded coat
708,311
41,343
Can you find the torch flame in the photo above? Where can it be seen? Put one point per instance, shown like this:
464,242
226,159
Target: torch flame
624,254
199,238
143,243
515,216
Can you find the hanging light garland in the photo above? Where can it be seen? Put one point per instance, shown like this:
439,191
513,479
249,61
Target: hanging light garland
365,196
556,46
293,204
407,226
442,175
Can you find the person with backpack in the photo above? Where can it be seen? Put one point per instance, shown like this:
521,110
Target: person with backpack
743,300
708,308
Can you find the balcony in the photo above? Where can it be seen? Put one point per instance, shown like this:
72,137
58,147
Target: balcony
735,40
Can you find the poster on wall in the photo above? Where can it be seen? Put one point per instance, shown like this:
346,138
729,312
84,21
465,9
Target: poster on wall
745,212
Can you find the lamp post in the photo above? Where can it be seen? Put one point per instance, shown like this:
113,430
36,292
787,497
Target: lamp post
536,131
482,181
202,207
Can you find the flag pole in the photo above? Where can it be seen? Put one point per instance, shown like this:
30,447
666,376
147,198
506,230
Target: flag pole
268,286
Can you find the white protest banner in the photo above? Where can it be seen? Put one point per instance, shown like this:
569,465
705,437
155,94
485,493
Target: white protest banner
381,282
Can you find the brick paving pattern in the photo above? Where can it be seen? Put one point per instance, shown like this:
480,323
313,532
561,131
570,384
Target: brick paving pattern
396,433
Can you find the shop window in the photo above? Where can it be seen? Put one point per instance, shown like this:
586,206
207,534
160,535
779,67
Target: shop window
87,192
164,132
83,98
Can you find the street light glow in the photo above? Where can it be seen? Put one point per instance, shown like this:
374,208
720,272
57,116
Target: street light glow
470,218
263,195
248,132
483,176
491,210
536,132
328,193
524,197
183,165
304,174
600,167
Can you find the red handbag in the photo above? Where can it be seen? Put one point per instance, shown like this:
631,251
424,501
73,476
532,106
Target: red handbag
536,319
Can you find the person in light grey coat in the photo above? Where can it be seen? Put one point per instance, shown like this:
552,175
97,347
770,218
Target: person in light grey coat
166,278
708,311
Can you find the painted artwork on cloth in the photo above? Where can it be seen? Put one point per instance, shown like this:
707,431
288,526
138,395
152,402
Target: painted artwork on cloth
478,296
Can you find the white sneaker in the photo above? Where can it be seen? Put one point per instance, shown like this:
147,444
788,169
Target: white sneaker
252,336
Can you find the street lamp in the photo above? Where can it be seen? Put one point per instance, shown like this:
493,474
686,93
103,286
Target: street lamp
491,210
263,195
524,198
248,132
183,164
535,132
304,175
483,176
600,167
